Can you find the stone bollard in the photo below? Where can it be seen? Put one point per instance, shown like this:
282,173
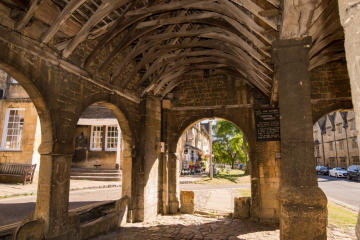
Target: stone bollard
242,207
187,201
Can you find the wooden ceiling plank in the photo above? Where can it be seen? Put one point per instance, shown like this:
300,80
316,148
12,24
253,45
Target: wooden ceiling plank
32,9
320,45
255,9
325,58
104,9
275,3
201,5
269,12
60,19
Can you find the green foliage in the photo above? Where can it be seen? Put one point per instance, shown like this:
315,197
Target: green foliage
229,144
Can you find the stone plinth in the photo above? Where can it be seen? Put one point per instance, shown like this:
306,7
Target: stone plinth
242,207
187,201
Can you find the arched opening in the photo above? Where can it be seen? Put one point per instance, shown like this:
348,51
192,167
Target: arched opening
26,134
103,142
213,153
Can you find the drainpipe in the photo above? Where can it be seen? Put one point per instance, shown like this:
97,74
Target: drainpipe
347,146
322,143
337,161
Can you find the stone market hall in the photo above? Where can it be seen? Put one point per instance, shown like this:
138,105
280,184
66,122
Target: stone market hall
161,66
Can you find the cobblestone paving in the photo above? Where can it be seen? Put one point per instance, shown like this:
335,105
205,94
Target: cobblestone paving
205,227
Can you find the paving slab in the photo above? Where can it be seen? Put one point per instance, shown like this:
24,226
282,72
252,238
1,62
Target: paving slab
11,190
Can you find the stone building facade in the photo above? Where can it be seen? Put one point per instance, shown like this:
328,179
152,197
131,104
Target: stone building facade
97,139
194,147
19,126
335,140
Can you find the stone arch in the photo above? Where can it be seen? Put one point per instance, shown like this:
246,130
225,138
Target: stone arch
195,120
41,105
338,106
127,132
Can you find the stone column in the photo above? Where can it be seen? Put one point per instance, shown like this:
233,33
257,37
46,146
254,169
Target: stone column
265,182
303,205
350,20
52,201
148,158
174,183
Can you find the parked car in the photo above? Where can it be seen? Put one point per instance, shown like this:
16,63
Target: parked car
354,172
337,172
318,168
323,171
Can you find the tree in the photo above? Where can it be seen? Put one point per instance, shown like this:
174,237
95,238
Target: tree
228,143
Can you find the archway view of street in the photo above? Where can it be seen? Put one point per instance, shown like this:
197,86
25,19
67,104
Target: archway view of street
179,119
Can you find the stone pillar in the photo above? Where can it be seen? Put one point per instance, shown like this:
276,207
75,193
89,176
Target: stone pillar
52,201
174,183
265,182
350,20
303,205
148,158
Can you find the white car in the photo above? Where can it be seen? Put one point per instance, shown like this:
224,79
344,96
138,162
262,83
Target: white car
338,172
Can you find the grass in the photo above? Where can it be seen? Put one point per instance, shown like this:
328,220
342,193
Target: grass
341,216
235,177
245,192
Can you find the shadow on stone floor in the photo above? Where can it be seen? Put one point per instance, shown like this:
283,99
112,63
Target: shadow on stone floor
193,227
15,212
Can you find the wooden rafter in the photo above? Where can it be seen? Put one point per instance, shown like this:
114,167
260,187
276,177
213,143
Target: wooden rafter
33,7
104,9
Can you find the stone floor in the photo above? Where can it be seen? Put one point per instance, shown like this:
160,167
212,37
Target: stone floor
205,227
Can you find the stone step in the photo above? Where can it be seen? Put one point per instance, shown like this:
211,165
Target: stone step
95,178
105,174
99,170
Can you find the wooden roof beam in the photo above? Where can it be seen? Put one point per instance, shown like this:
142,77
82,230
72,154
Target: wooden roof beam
60,20
104,9
32,8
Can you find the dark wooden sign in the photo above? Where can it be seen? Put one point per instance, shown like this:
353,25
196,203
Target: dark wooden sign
267,124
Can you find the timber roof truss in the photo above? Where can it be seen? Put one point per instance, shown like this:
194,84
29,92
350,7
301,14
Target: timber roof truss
172,40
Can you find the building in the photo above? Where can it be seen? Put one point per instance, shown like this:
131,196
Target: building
19,126
335,140
194,147
97,139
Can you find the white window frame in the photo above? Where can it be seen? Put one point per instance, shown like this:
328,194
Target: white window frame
106,138
4,134
92,138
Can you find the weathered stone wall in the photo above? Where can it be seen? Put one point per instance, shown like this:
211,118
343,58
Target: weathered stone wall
329,88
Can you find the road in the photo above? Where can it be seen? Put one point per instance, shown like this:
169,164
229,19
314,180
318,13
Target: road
12,210
341,190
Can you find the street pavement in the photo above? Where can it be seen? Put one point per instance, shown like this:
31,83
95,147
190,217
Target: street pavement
341,191
14,209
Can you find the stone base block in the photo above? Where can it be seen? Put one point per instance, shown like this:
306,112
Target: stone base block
303,213
187,201
242,207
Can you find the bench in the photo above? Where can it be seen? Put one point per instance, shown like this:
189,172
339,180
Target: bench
27,171
97,165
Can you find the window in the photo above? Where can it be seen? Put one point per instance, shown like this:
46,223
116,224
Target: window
355,159
330,146
111,140
328,130
13,128
339,128
343,159
96,138
341,145
354,143
352,124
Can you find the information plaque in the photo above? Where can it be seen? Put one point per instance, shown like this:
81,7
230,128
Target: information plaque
267,124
